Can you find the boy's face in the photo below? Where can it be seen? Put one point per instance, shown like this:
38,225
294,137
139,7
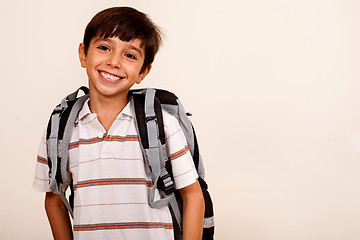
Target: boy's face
113,66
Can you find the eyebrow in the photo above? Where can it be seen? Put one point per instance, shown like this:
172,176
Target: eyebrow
130,45
136,49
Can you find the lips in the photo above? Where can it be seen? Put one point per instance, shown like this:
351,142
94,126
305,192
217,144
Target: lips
110,78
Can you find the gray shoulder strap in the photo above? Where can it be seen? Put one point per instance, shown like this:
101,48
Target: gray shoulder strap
54,148
187,129
156,154
64,154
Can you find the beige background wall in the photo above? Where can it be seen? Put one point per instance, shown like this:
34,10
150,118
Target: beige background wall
274,90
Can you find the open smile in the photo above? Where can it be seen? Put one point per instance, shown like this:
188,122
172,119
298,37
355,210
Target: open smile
110,78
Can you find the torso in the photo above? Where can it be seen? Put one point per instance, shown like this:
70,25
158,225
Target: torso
111,183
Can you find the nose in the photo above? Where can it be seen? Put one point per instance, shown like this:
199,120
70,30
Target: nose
114,60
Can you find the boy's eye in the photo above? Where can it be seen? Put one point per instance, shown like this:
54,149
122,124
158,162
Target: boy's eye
129,55
104,48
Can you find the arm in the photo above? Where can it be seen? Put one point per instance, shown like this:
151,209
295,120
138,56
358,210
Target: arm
193,211
58,217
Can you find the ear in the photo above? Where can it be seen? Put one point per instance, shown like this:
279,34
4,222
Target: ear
82,55
143,74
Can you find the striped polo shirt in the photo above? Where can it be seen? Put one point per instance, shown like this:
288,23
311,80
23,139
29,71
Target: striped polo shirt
112,181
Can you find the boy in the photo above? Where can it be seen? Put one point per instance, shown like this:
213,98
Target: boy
104,152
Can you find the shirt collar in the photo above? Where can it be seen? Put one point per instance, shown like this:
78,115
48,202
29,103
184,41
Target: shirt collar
85,115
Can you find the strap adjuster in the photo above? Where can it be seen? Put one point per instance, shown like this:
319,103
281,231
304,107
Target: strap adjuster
56,110
150,118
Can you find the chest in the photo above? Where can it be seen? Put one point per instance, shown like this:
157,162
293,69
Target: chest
97,154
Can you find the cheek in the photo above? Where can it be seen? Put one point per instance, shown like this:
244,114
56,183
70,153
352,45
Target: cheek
92,65
91,71
133,69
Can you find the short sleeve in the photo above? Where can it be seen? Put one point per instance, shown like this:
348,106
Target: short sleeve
183,168
41,179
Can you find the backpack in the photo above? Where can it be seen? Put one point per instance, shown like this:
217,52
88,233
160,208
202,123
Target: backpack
148,104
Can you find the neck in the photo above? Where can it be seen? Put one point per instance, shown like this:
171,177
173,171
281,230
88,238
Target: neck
107,108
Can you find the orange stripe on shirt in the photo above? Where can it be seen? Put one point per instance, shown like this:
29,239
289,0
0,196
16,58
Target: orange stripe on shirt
42,160
105,226
105,138
179,153
100,182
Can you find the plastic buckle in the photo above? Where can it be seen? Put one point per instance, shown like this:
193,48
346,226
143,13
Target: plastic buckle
167,184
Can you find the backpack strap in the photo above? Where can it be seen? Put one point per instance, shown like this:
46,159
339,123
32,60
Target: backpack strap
151,132
52,143
58,137
156,152
150,127
67,131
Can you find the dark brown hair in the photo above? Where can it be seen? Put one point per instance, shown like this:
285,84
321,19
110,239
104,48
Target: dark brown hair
127,24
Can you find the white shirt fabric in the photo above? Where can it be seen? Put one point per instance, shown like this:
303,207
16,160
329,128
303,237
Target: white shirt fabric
111,181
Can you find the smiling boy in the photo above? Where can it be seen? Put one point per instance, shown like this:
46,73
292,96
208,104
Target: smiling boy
118,49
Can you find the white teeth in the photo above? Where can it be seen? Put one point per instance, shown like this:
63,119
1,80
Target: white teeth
109,76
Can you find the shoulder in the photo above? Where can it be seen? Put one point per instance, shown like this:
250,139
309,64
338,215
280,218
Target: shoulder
171,124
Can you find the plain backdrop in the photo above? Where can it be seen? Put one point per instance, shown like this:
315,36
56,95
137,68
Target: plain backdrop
273,86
